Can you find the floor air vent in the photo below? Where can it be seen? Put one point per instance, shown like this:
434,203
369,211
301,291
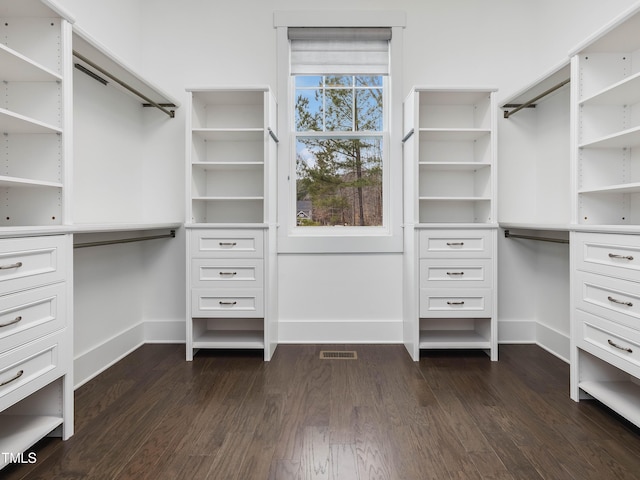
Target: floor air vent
338,355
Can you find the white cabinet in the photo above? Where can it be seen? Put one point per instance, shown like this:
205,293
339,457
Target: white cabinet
231,143
449,157
36,342
606,321
36,360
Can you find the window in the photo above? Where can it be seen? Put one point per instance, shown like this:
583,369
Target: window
335,172
339,139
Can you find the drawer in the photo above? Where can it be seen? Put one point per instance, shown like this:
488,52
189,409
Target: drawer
462,303
28,368
456,243
613,343
227,243
245,303
31,261
30,314
446,273
611,298
609,254
236,273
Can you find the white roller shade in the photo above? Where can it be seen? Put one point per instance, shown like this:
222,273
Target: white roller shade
340,50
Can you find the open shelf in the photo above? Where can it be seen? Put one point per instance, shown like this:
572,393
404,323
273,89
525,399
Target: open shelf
624,92
624,139
11,122
453,339
19,432
250,339
620,396
15,67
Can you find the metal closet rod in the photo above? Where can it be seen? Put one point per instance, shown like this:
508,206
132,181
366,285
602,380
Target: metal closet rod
531,102
508,234
171,113
171,234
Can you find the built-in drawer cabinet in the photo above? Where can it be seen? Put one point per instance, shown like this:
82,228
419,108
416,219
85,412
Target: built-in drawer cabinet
30,314
225,273
247,303
609,254
456,273
455,244
461,303
31,261
29,367
236,243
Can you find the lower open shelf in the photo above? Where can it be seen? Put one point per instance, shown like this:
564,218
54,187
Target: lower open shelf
243,339
621,396
461,339
19,432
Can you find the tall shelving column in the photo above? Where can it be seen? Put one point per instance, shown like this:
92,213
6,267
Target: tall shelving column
450,216
605,349
36,330
231,148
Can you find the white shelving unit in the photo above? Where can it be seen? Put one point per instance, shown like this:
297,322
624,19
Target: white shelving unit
231,144
36,359
449,150
605,332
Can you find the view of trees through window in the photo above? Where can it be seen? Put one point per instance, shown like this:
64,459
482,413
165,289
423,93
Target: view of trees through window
339,150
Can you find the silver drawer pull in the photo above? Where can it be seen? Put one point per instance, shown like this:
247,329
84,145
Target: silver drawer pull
624,257
227,244
12,322
9,267
17,376
455,244
227,303
455,273
614,345
228,274
455,303
620,302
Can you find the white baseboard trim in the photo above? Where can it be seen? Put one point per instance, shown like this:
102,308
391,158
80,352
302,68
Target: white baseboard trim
553,341
532,332
164,331
91,363
335,331
516,331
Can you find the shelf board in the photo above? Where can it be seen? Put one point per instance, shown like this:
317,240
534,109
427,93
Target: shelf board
230,339
454,199
625,92
226,198
11,122
25,182
229,134
625,138
453,134
448,166
228,165
623,397
452,96
15,67
622,188
19,432
452,339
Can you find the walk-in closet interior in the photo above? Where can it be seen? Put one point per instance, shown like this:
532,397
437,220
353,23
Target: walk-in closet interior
150,188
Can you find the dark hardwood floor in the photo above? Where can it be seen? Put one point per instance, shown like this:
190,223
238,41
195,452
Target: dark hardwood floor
229,415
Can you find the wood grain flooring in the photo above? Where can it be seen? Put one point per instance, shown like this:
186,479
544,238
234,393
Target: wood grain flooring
231,416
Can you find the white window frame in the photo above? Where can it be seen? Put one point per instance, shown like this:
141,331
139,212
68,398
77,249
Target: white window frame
386,238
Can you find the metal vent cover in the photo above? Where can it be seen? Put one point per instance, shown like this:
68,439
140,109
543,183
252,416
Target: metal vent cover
338,355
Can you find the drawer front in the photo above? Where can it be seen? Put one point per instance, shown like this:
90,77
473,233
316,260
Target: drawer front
31,314
227,243
611,342
235,273
612,298
462,303
31,261
454,273
609,254
28,368
245,303
456,243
